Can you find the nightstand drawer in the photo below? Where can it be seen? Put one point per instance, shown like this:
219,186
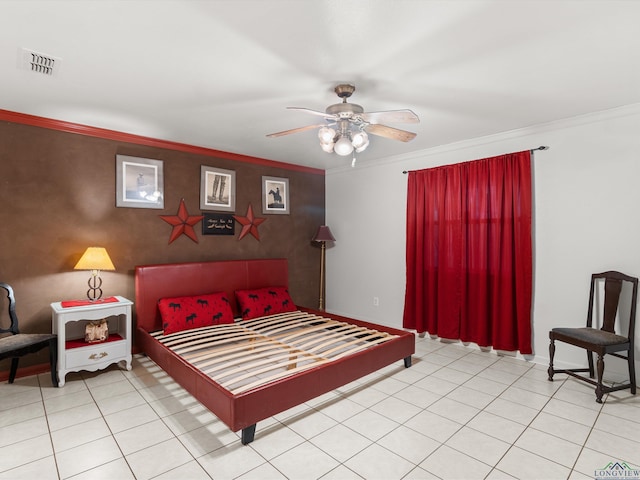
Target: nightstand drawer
96,354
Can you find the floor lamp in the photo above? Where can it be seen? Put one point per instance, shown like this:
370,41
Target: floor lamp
323,235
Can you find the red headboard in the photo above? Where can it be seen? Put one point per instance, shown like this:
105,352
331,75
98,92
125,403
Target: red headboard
154,282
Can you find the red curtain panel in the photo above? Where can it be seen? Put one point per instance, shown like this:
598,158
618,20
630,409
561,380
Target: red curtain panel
469,252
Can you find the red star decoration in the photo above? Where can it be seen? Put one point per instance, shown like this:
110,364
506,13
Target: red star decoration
182,223
249,224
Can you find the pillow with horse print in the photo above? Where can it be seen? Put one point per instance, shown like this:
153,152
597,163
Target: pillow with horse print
261,302
185,313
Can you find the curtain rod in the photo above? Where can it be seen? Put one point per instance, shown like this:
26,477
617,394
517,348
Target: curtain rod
541,147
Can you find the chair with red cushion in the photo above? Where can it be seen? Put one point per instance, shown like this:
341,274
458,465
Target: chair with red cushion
602,341
18,344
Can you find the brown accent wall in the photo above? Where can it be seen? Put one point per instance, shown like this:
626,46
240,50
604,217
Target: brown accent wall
57,197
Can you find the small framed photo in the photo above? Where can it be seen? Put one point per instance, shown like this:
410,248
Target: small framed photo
217,189
275,195
139,182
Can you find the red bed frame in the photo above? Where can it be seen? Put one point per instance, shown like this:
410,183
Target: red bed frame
242,411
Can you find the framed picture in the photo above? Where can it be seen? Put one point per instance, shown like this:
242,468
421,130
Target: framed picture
217,189
275,195
218,224
139,182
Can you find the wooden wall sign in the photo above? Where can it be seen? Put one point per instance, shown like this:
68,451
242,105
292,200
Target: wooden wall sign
218,224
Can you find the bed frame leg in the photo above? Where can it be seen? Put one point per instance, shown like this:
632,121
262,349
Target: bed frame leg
248,434
407,362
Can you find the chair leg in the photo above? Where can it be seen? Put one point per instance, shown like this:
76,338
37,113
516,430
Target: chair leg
53,360
14,369
552,352
590,360
632,371
599,390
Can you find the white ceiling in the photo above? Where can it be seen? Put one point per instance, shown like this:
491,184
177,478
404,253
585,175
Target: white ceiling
220,73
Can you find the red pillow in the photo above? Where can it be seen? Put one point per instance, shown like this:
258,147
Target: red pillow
184,313
264,301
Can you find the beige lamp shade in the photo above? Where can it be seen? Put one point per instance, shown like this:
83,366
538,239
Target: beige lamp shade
95,258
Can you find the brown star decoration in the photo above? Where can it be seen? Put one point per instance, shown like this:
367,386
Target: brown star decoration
182,223
249,223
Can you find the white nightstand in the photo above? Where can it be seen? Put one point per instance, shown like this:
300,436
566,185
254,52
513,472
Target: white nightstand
74,354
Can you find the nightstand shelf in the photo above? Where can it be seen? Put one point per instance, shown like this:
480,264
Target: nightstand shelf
74,354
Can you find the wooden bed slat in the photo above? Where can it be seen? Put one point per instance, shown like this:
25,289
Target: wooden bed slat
289,342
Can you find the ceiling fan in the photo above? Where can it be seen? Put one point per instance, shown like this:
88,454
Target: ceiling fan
348,125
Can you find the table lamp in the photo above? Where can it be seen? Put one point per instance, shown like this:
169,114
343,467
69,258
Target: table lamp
95,259
323,235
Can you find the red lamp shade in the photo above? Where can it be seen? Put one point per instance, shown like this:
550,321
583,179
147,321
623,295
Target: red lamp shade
324,235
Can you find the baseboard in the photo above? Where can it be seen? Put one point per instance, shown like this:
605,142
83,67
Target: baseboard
26,371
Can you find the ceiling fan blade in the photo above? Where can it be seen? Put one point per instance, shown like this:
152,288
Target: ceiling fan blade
294,130
391,116
390,132
314,112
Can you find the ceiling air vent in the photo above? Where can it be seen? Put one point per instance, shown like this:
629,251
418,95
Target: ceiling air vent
40,62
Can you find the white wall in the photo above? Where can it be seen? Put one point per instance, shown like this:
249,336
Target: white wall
586,219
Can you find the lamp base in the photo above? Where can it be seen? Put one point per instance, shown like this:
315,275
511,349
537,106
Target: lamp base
95,291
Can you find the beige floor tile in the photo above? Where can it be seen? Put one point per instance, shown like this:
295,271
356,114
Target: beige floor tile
452,375
189,471
525,465
130,417
409,444
21,453
571,411
370,424
20,414
109,405
73,416
377,462
561,428
433,426
87,456
478,445
158,459
64,402
486,385
418,396
395,409
470,397
512,411
309,423
17,432
79,434
448,463
524,397
456,411
341,442
304,461
42,469
549,446
231,461
497,426
115,470
615,446
275,439
143,436
206,439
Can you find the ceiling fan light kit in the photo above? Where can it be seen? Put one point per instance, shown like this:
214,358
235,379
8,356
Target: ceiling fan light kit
352,125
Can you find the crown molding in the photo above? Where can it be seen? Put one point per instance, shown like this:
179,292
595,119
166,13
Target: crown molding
69,127
593,117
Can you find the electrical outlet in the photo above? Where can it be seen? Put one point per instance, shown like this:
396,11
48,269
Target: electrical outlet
376,302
